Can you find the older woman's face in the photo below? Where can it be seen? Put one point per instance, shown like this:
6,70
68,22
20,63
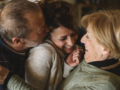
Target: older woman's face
64,39
93,50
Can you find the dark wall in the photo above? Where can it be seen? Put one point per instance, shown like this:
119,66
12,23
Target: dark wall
113,4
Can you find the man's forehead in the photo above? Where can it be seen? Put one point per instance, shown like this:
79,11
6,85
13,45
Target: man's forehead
36,18
32,13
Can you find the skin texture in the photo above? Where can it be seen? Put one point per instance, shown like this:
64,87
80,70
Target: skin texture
37,33
94,51
65,40
38,27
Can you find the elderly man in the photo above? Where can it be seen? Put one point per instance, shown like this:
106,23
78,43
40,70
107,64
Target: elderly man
22,25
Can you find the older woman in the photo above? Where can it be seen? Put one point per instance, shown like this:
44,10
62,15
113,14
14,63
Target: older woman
100,69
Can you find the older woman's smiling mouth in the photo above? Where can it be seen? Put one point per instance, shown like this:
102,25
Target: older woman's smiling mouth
86,49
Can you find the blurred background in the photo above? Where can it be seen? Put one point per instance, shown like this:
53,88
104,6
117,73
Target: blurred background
83,7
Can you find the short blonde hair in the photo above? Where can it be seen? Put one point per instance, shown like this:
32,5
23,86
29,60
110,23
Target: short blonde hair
106,29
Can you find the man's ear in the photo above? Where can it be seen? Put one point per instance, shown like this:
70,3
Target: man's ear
18,41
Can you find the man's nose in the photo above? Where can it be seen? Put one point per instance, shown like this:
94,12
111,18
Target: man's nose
46,29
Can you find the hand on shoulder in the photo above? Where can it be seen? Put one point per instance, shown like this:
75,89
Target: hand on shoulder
3,74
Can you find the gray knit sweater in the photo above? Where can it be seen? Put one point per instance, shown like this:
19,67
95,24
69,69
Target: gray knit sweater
44,67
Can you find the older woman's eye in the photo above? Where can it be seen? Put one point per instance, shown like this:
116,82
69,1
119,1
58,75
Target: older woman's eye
87,36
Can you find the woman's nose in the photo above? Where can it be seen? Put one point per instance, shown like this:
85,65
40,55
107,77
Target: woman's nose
83,39
71,41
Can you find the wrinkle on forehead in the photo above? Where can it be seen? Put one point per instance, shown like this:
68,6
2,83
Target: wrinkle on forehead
35,18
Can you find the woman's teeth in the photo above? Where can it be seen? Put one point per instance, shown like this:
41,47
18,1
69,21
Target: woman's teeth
67,47
85,48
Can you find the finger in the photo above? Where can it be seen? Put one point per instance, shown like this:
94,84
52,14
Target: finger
77,55
80,49
76,60
76,51
71,54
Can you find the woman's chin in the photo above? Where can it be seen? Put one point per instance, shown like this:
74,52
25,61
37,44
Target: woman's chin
68,50
85,56
87,59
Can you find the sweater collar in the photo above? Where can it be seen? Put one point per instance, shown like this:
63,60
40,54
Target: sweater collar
61,53
2,44
104,63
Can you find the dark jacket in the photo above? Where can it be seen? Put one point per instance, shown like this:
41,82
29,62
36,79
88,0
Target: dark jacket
11,60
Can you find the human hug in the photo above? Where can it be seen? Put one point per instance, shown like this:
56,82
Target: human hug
42,48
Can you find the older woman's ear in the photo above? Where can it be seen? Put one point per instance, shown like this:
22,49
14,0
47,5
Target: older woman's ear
105,51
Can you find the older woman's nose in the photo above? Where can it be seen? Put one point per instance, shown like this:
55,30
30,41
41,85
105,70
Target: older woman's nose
83,39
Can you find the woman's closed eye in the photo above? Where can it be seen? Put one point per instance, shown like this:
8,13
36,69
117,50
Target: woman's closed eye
62,39
74,34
